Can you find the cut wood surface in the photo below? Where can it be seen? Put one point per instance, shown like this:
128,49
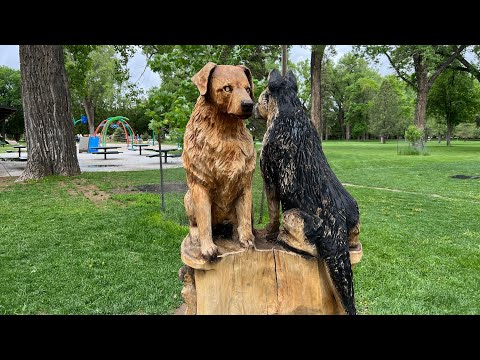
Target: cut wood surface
264,280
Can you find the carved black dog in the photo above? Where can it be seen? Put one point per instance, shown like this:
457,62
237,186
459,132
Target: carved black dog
320,217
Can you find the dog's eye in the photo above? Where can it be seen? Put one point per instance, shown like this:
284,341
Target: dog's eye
248,90
227,88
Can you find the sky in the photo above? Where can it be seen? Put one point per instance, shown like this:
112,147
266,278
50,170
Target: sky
146,78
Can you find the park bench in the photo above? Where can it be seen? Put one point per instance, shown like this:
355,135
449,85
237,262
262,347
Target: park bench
165,154
107,152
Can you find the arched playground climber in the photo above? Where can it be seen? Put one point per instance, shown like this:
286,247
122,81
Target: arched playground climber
119,121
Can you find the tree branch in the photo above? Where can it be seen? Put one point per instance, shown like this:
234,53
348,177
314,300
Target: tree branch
397,70
444,65
458,68
469,67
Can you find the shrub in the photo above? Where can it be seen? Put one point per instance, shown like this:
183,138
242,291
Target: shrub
413,135
411,150
119,135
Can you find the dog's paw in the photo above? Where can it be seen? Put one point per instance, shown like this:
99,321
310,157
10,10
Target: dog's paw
209,251
246,240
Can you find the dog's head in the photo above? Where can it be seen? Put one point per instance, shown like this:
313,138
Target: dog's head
229,87
279,91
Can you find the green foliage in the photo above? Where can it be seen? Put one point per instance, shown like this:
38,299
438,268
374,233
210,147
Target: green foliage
467,131
401,57
119,135
436,125
97,74
11,95
387,111
414,136
176,135
301,70
410,150
145,136
172,103
454,98
350,86
135,111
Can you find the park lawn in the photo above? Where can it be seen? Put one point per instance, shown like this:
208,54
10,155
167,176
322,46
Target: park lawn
90,245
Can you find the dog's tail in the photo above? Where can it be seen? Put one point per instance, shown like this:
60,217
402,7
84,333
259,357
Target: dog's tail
329,234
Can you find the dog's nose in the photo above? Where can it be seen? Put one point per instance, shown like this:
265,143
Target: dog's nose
247,106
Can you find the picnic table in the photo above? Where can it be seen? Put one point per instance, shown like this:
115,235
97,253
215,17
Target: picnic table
140,147
19,147
165,152
106,150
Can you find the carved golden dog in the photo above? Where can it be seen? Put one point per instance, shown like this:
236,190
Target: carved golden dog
219,156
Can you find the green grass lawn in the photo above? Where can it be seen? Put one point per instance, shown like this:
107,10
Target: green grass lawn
89,245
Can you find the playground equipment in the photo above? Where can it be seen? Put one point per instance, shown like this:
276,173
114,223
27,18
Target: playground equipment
83,120
114,122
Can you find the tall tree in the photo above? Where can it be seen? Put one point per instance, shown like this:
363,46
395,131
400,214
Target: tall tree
455,98
418,65
94,72
386,112
351,84
47,112
10,95
316,81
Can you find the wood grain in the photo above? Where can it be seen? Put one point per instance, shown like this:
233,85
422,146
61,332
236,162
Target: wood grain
265,280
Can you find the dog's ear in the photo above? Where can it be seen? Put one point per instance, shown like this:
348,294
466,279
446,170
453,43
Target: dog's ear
291,80
202,77
275,80
249,77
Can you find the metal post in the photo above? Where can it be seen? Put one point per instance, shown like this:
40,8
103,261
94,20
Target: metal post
260,219
161,171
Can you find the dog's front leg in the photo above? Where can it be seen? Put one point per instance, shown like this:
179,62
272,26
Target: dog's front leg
273,201
244,218
203,215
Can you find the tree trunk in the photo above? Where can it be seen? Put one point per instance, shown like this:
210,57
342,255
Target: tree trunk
4,132
47,111
261,281
90,111
382,139
421,73
449,132
316,89
348,131
341,120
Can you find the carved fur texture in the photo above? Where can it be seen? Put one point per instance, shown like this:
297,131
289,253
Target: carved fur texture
219,156
317,209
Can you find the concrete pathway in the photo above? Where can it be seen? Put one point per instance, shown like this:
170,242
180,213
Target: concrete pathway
128,160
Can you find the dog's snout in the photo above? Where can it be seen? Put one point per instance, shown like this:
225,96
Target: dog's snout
247,106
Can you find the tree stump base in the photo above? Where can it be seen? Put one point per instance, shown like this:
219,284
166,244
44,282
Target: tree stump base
267,279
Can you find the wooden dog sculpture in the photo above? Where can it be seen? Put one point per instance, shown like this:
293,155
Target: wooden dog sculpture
320,218
219,156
